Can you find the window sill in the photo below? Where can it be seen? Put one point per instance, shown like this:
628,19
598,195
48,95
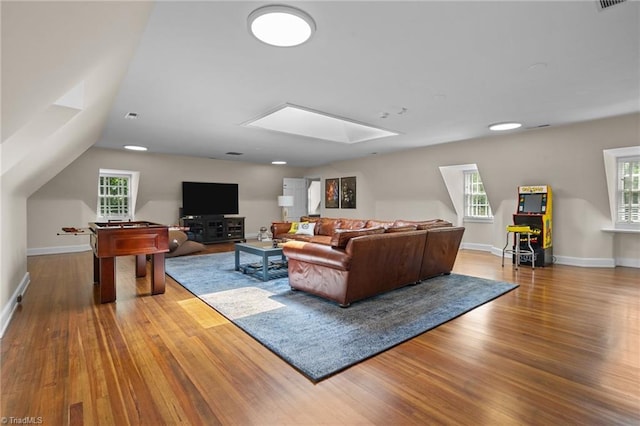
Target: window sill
477,220
621,230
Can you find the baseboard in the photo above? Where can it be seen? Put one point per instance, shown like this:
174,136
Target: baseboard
566,260
58,249
10,307
585,262
476,246
628,262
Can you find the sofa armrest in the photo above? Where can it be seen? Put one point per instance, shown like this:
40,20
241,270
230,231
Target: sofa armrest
440,250
318,254
278,228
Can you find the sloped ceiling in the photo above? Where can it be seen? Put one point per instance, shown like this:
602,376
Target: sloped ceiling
48,49
456,66
437,71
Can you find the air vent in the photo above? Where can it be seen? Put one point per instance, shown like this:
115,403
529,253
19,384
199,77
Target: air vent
604,4
131,116
233,153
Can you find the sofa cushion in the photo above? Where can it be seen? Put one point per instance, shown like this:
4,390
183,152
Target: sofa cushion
341,237
321,239
375,223
423,224
306,228
310,219
403,228
351,223
326,226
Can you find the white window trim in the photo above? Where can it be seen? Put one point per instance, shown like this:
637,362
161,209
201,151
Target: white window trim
469,218
134,180
611,157
453,177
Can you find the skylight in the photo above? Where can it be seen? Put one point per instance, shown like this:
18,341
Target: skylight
305,122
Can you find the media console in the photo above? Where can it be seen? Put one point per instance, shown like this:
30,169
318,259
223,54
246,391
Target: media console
214,229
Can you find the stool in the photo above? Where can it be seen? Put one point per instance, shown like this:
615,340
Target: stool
518,230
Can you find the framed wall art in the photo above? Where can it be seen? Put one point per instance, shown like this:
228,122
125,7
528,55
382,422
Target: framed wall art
348,192
332,193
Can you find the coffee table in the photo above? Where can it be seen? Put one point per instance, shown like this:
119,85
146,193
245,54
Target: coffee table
263,269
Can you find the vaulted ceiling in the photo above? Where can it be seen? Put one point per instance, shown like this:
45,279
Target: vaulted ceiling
435,72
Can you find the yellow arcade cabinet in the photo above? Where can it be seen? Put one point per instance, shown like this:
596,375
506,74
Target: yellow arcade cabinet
535,207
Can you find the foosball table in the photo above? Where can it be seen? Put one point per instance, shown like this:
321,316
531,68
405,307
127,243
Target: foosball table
139,238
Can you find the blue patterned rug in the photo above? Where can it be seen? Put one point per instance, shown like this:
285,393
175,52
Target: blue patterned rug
314,335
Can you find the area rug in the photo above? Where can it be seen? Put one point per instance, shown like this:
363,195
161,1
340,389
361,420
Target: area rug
315,335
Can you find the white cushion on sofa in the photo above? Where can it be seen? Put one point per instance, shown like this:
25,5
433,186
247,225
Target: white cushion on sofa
305,228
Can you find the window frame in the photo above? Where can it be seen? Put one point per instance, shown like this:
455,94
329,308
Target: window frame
473,190
127,213
622,220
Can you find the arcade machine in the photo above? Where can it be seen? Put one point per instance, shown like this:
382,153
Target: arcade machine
534,210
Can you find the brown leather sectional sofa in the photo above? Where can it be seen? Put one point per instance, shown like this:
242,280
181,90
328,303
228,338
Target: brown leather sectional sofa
346,260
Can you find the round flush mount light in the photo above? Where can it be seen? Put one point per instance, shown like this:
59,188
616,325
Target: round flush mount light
498,127
281,26
135,148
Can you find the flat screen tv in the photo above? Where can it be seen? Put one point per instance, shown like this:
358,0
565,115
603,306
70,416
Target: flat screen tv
205,198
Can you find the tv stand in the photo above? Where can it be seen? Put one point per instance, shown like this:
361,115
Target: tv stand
209,229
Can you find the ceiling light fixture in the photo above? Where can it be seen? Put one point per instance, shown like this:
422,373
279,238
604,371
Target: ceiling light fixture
281,26
499,127
135,148
278,162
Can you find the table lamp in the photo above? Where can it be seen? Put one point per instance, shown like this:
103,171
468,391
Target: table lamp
285,201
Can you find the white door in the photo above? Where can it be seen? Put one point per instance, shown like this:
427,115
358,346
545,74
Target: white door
297,187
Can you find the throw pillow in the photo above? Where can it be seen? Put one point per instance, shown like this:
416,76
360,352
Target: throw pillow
305,228
294,227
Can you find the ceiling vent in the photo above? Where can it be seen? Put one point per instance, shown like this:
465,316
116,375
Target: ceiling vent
233,153
604,4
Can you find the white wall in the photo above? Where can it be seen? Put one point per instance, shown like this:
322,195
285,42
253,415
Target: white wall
404,185
569,158
40,64
69,199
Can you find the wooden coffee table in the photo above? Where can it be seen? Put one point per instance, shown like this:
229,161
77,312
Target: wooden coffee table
263,269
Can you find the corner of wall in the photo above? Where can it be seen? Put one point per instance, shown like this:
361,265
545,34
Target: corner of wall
7,311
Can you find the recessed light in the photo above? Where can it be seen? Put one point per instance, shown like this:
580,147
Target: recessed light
278,162
135,148
499,127
281,26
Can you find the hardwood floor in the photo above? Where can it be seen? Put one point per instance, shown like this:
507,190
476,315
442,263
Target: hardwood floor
563,348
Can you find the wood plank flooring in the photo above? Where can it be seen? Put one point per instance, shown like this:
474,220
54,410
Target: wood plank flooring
563,348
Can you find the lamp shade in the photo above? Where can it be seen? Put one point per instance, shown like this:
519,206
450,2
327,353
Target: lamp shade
285,200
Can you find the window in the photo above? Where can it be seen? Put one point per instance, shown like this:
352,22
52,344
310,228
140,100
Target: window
476,203
628,191
114,196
